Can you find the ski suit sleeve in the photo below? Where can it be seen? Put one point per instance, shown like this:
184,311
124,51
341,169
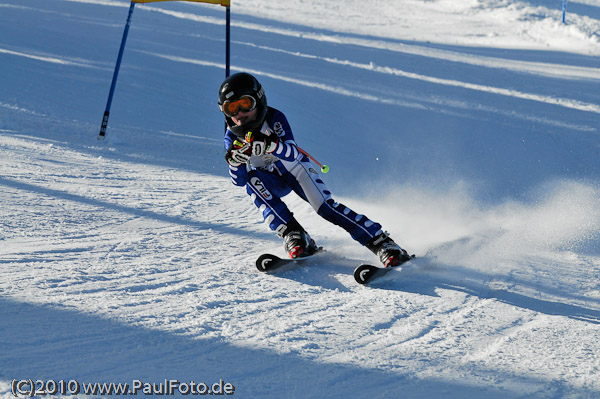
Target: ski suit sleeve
286,148
239,174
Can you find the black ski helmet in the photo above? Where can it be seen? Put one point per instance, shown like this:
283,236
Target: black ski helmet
236,86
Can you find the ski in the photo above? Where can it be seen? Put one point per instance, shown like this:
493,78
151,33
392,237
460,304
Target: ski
268,262
366,273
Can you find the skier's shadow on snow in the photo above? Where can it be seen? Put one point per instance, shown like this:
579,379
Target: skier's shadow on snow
423,276
324,274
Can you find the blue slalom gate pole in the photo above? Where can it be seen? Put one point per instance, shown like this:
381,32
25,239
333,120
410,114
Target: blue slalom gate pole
115,75
227,45
564,10
227,39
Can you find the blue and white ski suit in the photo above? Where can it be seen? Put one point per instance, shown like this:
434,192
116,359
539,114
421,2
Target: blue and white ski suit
272,176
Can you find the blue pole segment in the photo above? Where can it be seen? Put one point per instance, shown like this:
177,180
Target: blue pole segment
115,75
227,43
564,10
227,39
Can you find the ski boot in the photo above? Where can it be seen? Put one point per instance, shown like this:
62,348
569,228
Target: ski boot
298,244
389,253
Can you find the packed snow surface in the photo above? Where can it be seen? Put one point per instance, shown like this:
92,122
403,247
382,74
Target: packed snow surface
470,129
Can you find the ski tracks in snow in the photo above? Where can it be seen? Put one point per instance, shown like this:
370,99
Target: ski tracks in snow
147,245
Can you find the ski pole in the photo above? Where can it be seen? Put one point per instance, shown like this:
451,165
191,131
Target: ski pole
324,168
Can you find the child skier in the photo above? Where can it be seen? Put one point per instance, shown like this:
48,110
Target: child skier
263,156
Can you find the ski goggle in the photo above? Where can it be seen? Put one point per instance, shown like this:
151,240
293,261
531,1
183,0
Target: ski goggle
244,103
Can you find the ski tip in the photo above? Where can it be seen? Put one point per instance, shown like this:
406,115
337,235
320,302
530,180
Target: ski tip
363,273
265,261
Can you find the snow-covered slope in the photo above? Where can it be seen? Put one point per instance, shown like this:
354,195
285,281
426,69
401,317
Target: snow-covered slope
469,129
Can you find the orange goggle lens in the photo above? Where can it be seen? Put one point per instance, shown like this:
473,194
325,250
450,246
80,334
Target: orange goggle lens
231,108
